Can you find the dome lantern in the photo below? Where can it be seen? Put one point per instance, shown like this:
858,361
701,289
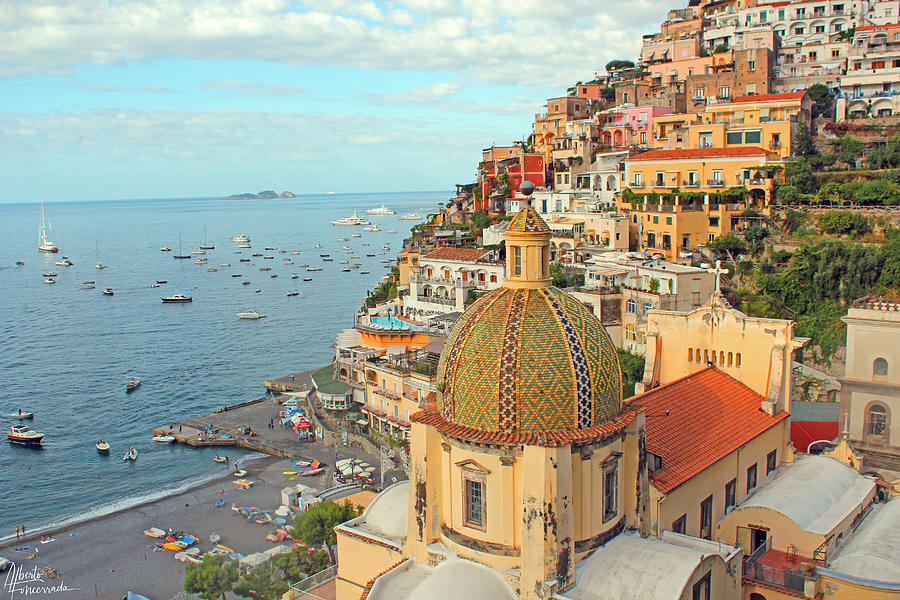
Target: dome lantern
527,247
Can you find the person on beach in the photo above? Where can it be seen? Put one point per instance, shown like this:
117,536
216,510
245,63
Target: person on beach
17,532
23,531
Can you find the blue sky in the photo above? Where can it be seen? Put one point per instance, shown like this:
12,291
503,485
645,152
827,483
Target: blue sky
168,98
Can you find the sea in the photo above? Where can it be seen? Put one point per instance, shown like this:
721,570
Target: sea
66,353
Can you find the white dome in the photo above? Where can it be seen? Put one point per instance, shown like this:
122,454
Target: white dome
387,513
454,579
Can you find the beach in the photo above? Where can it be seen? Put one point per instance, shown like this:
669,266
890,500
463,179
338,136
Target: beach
108,556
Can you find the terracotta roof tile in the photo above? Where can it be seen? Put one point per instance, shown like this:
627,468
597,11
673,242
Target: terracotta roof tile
876,27
550,439
769,97
698,153
710,415
466,254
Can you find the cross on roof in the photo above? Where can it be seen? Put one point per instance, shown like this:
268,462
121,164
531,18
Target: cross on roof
718,271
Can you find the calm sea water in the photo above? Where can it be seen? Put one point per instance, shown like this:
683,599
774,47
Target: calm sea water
66,353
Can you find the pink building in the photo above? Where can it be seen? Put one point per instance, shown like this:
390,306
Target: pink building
626,127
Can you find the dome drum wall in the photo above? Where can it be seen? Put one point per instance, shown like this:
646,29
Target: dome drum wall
532,360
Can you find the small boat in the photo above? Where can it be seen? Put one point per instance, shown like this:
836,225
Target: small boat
21,415
102,447
130,455
318,245
132,385
224,264
240,238
205,247
269,248
246,260
311,472
346,270
346,248
294,276
49,280
200,261
258,291
314,269
268,257
87,285
22,434
236,275
220,503
161,281
327,258
392,231
163,439
108,292
381,210
288,261
165,249
177,298
154,532
65,262
244,246
21,263
219,459
410,217
344,262
154,285
370,255
256,254
265,268
198,252
50,274
239,473
307,279
211,270
100,266
273,275
243,483
372,228
250,314
356,235
293,293
245,282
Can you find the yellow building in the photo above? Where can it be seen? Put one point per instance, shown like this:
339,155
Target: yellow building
550,125
397,386
680,198
527,475
767,121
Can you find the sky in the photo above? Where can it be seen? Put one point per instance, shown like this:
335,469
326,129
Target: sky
178,98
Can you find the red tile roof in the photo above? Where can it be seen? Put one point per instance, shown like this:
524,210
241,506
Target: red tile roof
710,415
698,153
875,27
549,439
769,97
467,254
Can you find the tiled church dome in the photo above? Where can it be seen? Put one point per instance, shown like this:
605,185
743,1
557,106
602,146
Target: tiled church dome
529,360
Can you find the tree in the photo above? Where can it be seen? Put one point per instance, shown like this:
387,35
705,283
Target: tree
821,98
608,94
804,145
632,366
788,194
755,235
315,526
211,578
729,245
617,64
799,173
481,219
878,192
844,222
848,148
299,563
793,219
265,582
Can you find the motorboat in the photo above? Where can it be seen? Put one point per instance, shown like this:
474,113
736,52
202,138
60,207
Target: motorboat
356,235
100,266
50,274
293,293
343,239
102,447
240,238
88,285
287,261
177,298
154,285
353,220
385,247
219,459
250,314
108,292
265,268
273,275
21,414
373,254
244,246
346,270
163,439
256,254
245,282
198,252
381,210
295,252
132,385
372,228
130,455
49,280
268,257
410,217
364,272
200,261
224,264
44,244
314,269
161,281
294,276
327,258
64,262
165,249
269,248
318,245
344,262
392,231
307,279
246,260
22,434
236,275
211,270
20,263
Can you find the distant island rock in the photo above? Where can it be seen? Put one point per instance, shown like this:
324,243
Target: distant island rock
263,195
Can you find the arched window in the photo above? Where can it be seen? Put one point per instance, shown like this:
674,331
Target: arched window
757,596
737,360
690,355
730,359
697,354
876,422
880,368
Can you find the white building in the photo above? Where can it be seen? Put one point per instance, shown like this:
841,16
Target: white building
871,85
443,279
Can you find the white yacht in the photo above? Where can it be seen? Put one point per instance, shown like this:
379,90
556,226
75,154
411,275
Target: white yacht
354,220
244,245
100,266
250,314
411,217
381,210
45,245
372,228
240,238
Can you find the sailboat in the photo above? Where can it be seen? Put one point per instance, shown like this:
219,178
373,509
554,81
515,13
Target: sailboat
180,253
206,245
45,245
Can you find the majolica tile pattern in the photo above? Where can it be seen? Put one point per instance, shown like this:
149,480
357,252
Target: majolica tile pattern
529,360
527,221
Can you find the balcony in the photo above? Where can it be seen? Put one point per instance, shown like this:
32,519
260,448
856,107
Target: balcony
775,569
434,300
715,183
458,283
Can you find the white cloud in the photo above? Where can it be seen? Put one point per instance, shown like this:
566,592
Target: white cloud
250,88
500,40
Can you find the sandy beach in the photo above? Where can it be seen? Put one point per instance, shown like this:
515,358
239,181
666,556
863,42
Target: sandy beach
108,556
